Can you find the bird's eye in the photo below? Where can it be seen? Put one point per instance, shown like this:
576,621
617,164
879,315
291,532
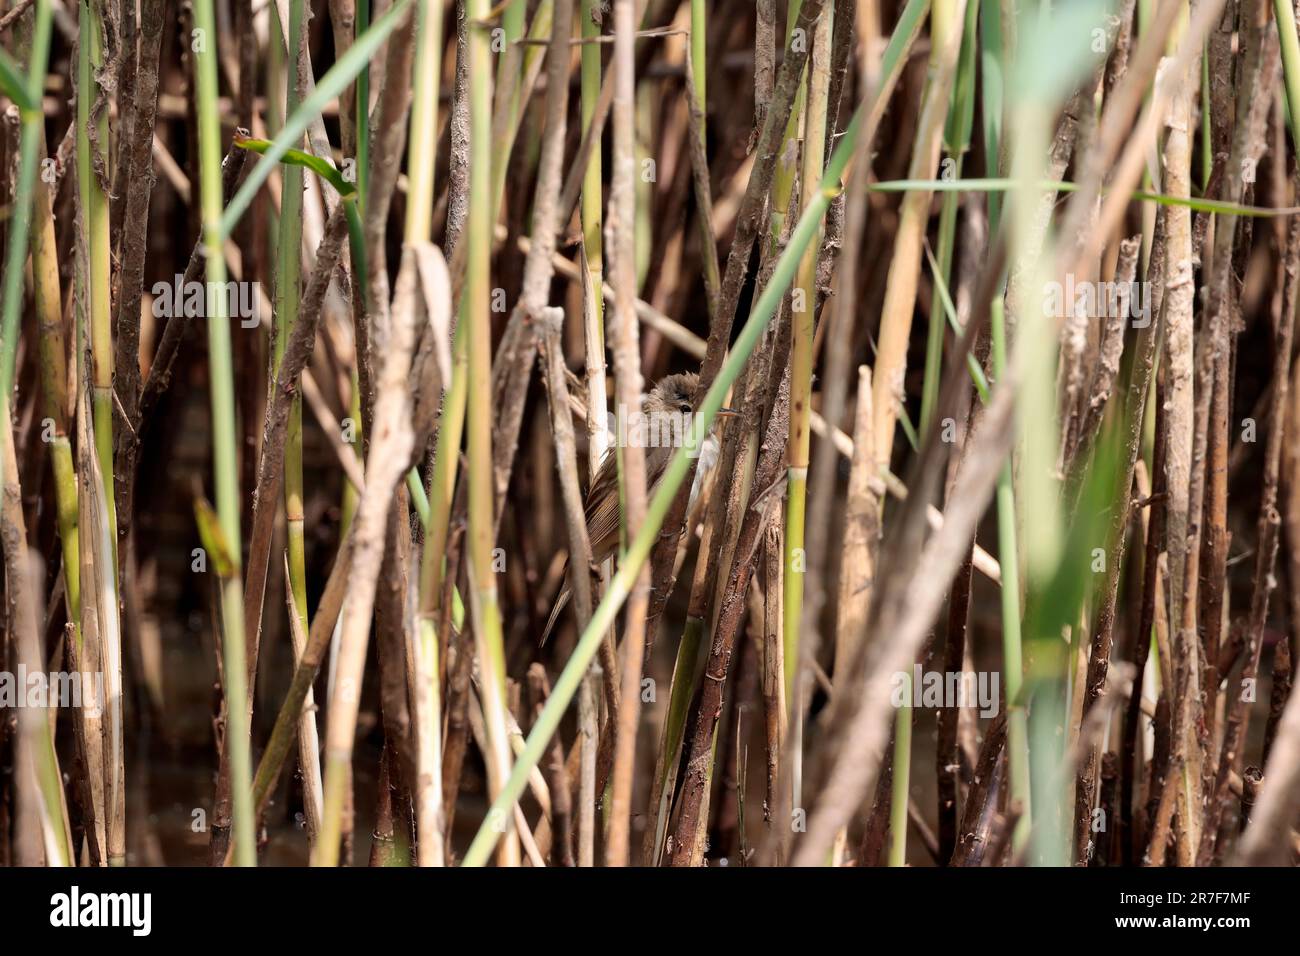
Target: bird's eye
685,407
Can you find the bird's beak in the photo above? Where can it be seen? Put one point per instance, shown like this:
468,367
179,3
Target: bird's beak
728,413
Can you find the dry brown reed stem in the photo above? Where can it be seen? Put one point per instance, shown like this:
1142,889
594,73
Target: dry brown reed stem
135,166
703,194
99,631
1216,356
84,656
764,60
393,620
37,779
947,754
774,709
980,808
620,228
557,394
557,776
308,733
10,17
1280,693
1179,295
688,849
861,538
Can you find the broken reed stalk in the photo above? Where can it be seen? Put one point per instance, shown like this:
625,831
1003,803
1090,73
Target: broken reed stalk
224,442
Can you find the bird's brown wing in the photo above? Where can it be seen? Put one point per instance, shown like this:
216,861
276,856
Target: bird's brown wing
603,509
602,514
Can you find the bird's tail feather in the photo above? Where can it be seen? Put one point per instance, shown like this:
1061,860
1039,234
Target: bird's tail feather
560,602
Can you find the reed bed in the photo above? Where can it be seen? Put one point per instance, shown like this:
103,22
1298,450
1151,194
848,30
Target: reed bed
330,538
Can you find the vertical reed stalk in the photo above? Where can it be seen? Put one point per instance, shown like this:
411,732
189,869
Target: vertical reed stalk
699,60
421,161
803,312
288,280
361,109
956,141
92,174
1012,659
904,271
787,158
224,440
47,294
628,387
477,316
592,190
1179,309
31,137
34,726
946,17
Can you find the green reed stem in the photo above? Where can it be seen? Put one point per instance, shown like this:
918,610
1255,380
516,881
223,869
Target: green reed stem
224,440
92,163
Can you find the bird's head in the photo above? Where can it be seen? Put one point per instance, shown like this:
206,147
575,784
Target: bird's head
672,394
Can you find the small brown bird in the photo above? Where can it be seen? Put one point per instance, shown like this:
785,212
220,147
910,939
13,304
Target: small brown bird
663,427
